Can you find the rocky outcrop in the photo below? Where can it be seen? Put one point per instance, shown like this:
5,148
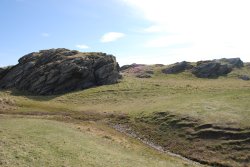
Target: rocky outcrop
210,69
138,70
56,71
216,68
206,69
4,71
134,65
177,68
244,77
231,62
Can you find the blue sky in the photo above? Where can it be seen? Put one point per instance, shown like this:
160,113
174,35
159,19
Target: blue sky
149,31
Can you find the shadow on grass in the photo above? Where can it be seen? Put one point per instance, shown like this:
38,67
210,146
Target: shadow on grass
15,92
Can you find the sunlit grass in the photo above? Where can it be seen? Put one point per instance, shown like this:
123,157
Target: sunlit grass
37,142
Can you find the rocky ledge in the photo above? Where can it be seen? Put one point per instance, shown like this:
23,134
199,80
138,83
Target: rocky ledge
216,68
206,69
56,71
178,67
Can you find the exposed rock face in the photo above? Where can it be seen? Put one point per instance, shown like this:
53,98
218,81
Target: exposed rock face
4,71
57,71
134,65
177,68
244,77
232,62
210,69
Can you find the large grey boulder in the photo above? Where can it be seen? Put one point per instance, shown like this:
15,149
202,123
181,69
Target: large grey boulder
56,71
210,69
177,68
231,62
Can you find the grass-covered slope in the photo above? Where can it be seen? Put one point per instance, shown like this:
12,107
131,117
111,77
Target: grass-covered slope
202,119
223,100
39,142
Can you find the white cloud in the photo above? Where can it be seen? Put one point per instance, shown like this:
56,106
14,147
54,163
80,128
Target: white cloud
45,34
211,27
154,28
82,46
111,36
167,41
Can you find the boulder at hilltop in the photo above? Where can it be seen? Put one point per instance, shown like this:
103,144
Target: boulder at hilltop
56,71
216,68
231,62
177,68
210,69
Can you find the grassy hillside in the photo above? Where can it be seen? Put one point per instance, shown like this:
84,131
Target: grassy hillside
197,118
223,100
39,142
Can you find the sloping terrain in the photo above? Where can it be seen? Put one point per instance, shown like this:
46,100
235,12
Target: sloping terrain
40,142
203,119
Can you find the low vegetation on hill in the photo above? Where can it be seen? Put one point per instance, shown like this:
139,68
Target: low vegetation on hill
202,119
